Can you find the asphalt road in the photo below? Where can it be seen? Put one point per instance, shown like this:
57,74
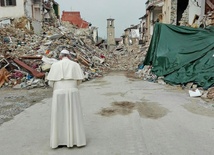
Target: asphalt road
123,116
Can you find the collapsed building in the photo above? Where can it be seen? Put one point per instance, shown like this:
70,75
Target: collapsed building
193,13
166,26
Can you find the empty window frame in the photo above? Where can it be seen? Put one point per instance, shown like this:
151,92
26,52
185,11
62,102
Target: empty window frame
7,2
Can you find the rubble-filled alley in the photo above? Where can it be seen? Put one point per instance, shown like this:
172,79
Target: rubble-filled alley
26,57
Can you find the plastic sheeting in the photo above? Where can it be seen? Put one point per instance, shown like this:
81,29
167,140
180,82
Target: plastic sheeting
182,54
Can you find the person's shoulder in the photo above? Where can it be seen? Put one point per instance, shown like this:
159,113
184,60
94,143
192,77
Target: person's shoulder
70,61
56,63
77,64
73,62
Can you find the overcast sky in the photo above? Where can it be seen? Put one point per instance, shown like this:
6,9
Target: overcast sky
125,13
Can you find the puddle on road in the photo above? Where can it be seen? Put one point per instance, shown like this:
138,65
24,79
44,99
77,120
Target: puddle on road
151,110
121,108
145,109
198,109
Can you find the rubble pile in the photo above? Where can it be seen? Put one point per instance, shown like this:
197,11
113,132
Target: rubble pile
25,57
210,93
126,58
145,73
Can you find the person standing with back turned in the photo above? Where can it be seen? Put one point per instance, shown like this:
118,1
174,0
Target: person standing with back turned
66,114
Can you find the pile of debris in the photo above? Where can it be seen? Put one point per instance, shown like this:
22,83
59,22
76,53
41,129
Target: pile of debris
25,57
127,58
145,73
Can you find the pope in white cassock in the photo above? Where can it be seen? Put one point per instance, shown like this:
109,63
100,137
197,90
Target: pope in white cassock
66,114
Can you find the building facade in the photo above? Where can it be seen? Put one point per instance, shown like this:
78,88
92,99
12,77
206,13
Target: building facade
11,8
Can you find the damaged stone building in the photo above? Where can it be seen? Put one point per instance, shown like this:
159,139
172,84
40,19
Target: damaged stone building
131,35
176,12
35,12
189,15
30,42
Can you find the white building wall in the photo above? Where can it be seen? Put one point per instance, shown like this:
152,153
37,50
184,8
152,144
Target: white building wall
194,9
13,11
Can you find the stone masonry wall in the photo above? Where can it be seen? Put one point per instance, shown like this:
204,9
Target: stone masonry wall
173,17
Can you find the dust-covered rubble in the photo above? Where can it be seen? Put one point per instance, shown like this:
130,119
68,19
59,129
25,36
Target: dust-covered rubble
26,57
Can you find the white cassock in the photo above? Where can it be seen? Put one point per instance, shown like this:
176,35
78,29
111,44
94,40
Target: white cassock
66,114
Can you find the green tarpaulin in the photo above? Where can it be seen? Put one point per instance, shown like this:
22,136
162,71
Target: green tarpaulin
182,54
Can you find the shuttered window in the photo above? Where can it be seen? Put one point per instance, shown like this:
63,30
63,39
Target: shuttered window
7,2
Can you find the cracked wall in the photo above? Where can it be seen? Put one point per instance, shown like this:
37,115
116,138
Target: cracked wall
183,12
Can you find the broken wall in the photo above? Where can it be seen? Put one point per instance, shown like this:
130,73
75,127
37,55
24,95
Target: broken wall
94,34
28,8
36,10
179,12
142,29
126,38
173,16
170,12
195,8
33,12
153,10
